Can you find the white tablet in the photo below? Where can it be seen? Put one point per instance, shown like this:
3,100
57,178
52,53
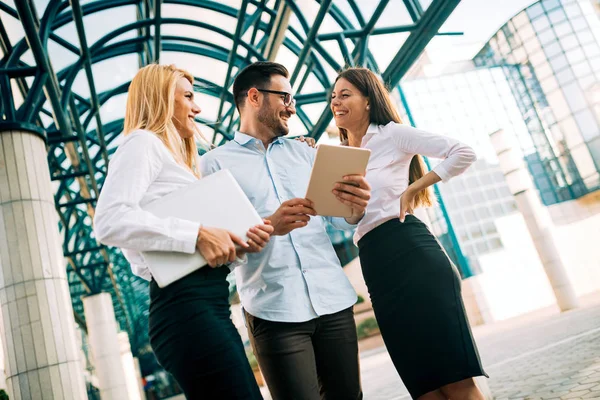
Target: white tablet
331,164
216,200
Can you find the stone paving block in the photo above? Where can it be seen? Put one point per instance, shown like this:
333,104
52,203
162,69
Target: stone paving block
576,395
591,395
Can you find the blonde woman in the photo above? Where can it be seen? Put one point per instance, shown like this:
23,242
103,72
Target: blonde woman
190,328
414,287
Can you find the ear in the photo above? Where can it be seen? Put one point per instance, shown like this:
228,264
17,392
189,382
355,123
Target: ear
253,97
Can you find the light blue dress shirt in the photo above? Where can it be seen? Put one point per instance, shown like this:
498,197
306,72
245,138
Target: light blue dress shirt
297,277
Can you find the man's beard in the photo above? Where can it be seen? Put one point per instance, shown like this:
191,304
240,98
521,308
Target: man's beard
267,118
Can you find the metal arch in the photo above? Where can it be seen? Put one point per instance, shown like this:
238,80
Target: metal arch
78,155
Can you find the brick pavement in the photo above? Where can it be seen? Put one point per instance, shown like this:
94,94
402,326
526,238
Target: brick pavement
543,355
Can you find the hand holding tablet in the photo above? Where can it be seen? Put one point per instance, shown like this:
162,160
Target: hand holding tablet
331,164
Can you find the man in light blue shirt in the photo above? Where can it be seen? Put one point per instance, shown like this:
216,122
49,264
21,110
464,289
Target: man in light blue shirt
297,299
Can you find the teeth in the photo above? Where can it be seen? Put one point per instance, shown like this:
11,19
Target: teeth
340,113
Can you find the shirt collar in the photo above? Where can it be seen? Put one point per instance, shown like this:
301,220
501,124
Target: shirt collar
242,139
371,130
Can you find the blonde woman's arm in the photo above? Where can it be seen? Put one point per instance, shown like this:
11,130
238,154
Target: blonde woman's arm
119,220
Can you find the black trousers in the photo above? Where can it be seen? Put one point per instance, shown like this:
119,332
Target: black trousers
194,339
310,360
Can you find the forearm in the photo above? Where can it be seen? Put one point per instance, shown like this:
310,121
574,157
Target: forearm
431,178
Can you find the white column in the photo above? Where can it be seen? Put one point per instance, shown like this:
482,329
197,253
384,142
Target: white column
138,375
105,347
131,378
536,216
2,372
38,328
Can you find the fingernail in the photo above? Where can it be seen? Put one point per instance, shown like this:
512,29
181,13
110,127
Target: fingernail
335,191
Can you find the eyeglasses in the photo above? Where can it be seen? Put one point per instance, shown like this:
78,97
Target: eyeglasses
288,99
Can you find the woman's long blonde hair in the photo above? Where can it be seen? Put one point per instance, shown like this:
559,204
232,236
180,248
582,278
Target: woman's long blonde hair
151,105
383,112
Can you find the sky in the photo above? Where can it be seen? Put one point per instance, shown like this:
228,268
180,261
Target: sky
478,20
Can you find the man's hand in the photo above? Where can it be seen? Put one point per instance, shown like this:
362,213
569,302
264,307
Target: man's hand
355,192
258,238
217,246
291,214
308,140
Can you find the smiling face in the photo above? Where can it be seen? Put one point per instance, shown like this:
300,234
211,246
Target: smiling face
349,105
185,109
273,113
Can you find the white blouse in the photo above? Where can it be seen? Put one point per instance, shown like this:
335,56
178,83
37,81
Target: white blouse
392,149
142,170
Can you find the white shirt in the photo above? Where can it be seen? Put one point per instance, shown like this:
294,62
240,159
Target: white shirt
392,148
142,170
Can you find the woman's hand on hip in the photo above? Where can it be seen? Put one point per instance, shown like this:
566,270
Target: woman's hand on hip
407,203
217,246
258,238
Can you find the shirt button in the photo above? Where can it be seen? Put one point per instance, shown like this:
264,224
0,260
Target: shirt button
303,271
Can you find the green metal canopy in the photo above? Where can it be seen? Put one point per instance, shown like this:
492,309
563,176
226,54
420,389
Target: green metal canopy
65,68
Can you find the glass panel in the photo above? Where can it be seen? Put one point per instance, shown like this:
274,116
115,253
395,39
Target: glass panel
552,49
556,16
568,42
583,160
526,32
575,55
541,24
570,131
551,4
535,11
585,36
594,147
582,69
547,36
572,10
549,84
563,29
558,104
520,20
574,96
565,76
587,123
559,63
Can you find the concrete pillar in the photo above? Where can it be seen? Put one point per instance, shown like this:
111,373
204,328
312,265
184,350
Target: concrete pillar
536,216
2,372
131,376
105,346
37,324
140,378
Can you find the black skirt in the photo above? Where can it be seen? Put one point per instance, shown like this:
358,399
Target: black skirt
416,295
194,339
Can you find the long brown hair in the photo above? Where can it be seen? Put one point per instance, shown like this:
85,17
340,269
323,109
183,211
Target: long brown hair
382,112
151,105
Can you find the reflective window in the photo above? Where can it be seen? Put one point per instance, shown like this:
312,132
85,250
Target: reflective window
541,24
574,96
587,123
552,49
535,11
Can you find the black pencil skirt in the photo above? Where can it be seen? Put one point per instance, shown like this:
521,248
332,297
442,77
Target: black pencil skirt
416,295
194,339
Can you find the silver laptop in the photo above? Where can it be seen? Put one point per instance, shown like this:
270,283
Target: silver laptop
216,201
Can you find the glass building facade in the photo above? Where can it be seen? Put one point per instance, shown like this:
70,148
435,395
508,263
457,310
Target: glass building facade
550,55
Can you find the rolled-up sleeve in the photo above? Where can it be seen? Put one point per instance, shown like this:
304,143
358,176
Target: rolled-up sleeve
457,156
120,221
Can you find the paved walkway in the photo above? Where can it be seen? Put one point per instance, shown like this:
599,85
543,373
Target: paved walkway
543,355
